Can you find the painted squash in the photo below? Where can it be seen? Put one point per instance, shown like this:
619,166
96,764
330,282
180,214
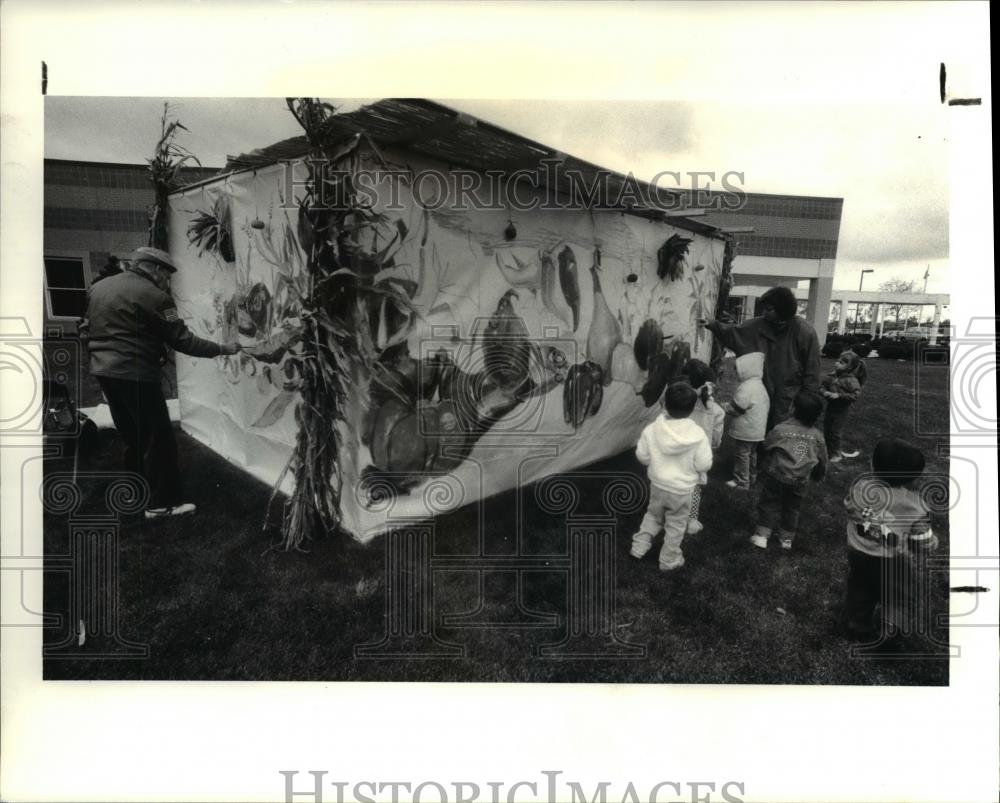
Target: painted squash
604,333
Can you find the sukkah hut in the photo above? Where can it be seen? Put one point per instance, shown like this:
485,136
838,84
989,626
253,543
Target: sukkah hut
407,351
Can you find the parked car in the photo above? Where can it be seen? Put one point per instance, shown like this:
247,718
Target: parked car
915,333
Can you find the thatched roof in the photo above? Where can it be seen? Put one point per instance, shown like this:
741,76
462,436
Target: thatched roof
457,139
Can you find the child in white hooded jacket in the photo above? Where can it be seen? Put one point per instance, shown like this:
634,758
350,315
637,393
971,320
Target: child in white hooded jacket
677,453
748,410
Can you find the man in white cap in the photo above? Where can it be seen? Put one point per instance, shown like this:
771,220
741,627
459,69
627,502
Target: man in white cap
131,316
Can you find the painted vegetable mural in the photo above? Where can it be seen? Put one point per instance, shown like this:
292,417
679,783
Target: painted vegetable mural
384,348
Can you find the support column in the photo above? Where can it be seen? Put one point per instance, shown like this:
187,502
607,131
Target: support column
873,329
818,309
842,325
932,340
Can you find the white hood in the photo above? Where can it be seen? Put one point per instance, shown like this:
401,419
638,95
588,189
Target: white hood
674,435
676,453
750,366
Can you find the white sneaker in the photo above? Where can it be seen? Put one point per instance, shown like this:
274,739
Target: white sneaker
669,567
786,543
849,455
155,513
694,527
759,540
836,458
735,484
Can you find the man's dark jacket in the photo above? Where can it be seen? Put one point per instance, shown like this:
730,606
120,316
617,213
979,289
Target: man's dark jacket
791,357
129,319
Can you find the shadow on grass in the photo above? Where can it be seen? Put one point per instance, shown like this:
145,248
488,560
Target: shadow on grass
213,603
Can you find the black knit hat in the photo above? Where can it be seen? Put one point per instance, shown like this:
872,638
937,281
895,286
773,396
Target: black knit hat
896,461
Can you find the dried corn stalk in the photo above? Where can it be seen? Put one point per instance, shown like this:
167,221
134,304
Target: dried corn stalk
164,172
725,285
343,262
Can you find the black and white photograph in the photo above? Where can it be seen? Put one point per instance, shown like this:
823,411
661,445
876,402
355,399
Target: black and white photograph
656,387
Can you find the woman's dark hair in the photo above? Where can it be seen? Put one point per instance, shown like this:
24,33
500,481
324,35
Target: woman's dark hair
699,374
897,462
679,400
808,406
855,366
782,301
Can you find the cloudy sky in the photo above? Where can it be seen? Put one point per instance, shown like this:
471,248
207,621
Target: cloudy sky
889,162
770,90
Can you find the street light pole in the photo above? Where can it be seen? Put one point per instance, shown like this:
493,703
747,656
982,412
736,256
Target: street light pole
857,311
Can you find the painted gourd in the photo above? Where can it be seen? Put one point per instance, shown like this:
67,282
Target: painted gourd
604,332
405,440
624,368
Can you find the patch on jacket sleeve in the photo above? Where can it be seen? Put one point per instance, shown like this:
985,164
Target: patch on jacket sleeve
170,313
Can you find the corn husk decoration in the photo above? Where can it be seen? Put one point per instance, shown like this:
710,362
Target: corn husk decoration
213,231
670,257
338,356
164,173
722,302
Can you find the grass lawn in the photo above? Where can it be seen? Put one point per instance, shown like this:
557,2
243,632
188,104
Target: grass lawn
212,603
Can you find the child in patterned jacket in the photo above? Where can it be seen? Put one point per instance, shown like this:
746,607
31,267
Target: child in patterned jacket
708,415
794,454
887,522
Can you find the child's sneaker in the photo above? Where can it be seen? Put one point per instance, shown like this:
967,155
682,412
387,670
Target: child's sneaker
786,543
836,458
159,513
738,485
849,455
669,567
694,527
759,540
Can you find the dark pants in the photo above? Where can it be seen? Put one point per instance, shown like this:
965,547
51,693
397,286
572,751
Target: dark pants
833,425
141,418
871,581
780,503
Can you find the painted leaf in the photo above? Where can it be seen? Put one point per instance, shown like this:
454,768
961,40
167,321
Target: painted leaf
275,410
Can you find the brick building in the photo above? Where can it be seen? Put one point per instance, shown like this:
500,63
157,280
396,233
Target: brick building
93,210
791,239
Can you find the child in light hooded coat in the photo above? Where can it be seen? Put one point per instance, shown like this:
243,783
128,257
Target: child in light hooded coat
677,453
748,411
708,415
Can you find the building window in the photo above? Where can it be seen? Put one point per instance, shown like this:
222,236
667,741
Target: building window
65,287
736,307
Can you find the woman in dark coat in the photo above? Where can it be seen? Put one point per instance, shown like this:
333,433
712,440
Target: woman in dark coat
790,346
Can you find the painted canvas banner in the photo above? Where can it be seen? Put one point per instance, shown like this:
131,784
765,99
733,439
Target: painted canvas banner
534,342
